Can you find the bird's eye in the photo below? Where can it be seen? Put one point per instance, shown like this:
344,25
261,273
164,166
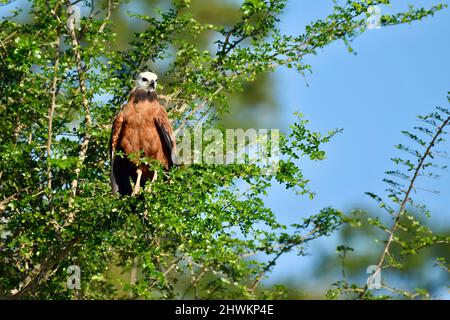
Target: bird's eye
144,79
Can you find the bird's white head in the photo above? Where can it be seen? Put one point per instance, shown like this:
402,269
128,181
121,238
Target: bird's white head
147,81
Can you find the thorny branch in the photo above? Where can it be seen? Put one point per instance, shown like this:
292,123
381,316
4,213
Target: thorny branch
406,199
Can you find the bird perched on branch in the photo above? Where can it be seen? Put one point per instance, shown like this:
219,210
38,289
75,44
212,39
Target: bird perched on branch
141,129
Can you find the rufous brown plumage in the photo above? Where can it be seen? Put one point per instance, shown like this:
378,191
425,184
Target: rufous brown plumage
141,129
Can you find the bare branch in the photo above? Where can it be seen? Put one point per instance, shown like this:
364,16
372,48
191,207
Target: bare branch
5,201
87,116
51,110
108,15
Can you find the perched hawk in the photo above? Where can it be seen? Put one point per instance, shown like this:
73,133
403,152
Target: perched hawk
141,129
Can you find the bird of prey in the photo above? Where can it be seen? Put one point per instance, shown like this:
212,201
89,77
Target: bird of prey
142,128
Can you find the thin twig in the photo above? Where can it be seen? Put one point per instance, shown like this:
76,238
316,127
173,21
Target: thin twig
5,201
172,265
197,108
405,200
51,110
108,15
87,117
284,247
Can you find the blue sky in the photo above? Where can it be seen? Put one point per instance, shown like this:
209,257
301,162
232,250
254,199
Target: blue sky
398,73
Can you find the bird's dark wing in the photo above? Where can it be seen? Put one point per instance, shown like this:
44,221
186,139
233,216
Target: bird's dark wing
166,133
121,172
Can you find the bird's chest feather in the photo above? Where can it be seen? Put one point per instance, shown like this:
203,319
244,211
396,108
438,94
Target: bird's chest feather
140,132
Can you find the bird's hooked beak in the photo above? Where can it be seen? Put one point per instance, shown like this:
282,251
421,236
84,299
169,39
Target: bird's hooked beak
153,84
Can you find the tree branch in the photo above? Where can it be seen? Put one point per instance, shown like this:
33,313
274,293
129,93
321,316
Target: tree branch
51,110
108,15
87,117
405,200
